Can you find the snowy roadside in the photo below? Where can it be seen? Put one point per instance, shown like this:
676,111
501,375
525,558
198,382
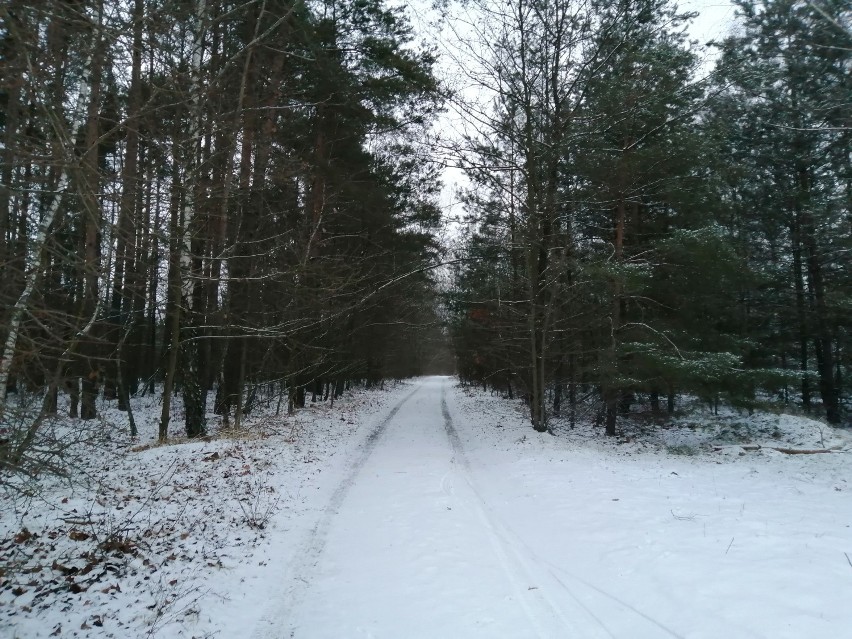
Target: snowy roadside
673,531
160,541
676,531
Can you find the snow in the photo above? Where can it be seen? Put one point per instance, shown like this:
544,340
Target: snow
199,561
662,545
431,510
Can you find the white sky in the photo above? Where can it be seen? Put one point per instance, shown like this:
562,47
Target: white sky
714,21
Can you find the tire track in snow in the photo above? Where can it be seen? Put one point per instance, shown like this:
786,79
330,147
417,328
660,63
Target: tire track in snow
274,624
547,618
546,571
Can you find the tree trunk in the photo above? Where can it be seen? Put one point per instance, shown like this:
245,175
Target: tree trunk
38,253
127,283
239,265
572,391
823,340
194,395
13,84
72,386
89,395
171,339
89,188
611,392
801,316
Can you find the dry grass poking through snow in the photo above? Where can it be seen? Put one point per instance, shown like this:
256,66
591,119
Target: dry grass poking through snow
139,539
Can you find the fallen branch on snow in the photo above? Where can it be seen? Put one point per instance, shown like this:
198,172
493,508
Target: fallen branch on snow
786,451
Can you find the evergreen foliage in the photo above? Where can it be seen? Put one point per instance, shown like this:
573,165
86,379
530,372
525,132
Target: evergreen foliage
217,195
697,236
240,199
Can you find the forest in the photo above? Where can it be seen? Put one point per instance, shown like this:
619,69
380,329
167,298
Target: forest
210,200
641,227
210,196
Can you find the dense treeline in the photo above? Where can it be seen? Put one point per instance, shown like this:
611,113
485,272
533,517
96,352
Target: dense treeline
208,196
202,198
640,228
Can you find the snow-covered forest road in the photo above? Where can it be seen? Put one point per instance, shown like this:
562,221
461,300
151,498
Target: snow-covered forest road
430,533
409,547
431,510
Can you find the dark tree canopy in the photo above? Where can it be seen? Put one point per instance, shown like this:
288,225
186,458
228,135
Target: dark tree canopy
213,196
638,229
204,198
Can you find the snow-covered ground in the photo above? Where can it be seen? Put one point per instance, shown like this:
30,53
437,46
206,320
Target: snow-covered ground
430,510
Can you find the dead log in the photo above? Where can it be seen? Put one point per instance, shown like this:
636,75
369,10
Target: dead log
786,451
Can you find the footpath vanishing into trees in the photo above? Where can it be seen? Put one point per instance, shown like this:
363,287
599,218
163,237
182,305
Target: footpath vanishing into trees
210,196
227,214
431,509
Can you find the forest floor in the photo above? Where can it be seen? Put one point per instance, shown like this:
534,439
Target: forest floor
431,510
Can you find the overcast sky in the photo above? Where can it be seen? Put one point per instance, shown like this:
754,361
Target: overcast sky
714,21
714,18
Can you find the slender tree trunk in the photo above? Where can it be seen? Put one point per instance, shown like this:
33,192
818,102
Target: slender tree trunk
655,402
34,268
14,82
801,314
572,391
823,340
72,386
535,266
171,339
92,214
126,283
611,392
238,412
151,259
152,361
194,395
239,265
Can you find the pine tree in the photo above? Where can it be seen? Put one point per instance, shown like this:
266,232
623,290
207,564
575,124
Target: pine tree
787,127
